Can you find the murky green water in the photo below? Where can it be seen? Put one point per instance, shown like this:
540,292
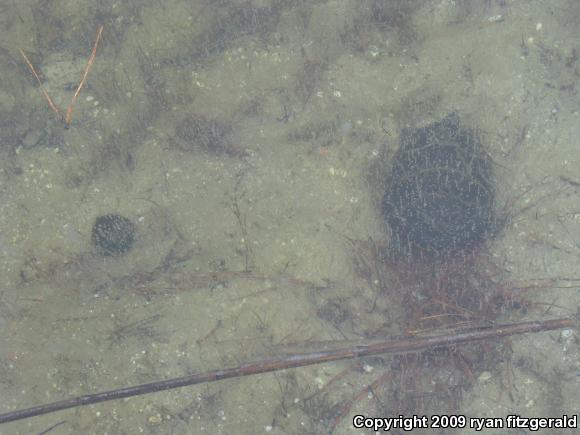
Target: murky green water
244,140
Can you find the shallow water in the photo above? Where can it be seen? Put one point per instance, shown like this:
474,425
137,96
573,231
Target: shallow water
244,222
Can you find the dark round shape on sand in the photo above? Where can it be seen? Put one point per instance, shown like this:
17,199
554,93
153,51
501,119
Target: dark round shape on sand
440,192
113,234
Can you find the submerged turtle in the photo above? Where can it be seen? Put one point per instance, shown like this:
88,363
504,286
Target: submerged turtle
440,191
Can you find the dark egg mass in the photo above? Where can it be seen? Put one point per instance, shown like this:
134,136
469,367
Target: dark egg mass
440,191
113,234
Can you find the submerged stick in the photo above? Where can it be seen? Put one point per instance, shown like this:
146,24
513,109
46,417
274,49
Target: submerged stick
393,346
68,116
53,106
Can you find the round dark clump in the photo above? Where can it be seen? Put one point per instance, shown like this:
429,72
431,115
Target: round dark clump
113,234
440,197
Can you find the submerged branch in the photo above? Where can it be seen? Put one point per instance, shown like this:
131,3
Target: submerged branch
392,346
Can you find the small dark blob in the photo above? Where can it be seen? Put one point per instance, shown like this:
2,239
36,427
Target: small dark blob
113,234
440,194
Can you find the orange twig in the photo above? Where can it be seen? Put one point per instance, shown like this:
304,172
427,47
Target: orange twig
68,116
44,91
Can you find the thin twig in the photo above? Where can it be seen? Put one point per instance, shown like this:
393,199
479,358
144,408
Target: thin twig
68,116
44,91
393,346
54,426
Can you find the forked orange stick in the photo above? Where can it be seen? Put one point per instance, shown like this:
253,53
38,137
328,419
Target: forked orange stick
67,117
